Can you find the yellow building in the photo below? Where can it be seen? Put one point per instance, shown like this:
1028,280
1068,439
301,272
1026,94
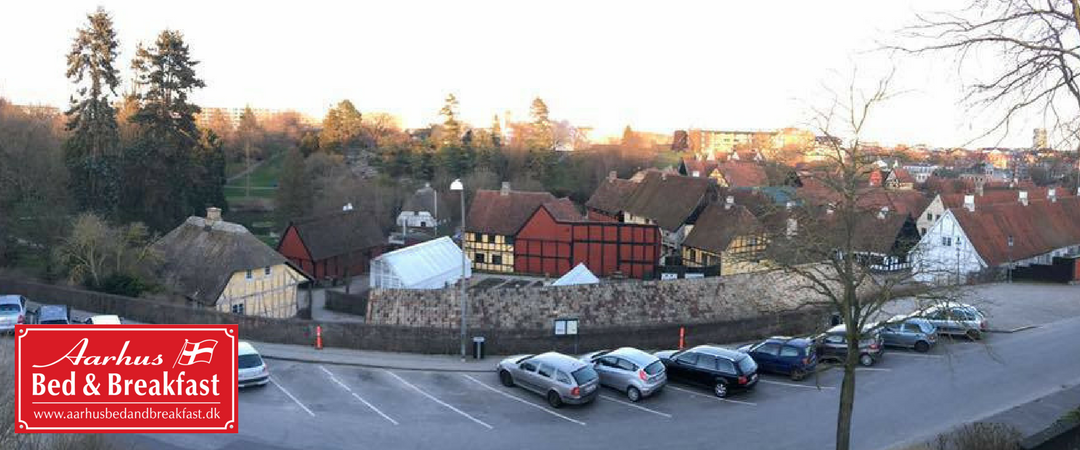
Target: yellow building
220,265
494,219
728,236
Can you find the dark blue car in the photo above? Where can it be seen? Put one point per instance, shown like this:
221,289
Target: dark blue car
794,357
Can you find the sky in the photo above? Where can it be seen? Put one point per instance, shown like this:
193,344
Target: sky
656,66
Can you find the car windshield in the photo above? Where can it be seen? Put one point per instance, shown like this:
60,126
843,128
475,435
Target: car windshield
523,359
249,361
9,308
654,368
585,375
747,365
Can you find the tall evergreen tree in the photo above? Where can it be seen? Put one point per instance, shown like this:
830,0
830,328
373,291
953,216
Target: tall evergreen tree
170,172
541,135
342,127
293,196
91,148
451,126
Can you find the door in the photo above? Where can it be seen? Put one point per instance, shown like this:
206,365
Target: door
623,374
909,333
606,367
834,347
705,370
790,359
545,378
765,355
526,375
682,367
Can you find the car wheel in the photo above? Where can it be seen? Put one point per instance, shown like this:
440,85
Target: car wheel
973,335
922,347
720,389
798,375
633,394
506,379
554,400
866,360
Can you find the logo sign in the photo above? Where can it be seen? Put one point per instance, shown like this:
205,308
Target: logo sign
126,378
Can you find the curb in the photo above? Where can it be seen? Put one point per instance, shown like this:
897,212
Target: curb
1014,330
373,366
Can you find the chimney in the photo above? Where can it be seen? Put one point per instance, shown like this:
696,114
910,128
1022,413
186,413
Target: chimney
1023,198
1051,194
611,176
213,215
829,210
695,174
728,202
884,211
969,202
663,176
505,189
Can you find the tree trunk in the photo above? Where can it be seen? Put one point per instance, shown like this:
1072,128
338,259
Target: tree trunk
847,394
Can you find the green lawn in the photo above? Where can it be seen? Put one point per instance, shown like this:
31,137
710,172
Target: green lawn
265,175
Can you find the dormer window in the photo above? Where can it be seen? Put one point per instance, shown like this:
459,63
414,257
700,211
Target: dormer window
266,270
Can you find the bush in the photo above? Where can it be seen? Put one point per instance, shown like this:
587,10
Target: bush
122,284
980,436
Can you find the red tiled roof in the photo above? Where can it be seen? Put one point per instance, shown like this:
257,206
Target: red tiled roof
703,168
611,195
668,199
564,210
743,174
903,176
1037,228
999,196
493,212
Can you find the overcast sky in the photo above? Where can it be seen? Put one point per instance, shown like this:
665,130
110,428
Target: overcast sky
657,66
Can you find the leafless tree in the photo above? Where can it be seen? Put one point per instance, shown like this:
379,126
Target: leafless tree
1018,58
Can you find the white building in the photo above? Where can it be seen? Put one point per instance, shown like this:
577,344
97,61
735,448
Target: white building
433,264
422,210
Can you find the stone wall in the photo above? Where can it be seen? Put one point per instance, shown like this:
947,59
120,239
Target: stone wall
680,302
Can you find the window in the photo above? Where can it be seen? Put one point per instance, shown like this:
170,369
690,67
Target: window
238,308
510,240
788,351
528,366
478,258
562,377
545,370
687,358
769,348
496,259
946,241
626,365
929,216
484,238
706,362
725,366
834,339
266,270
248,275
608,361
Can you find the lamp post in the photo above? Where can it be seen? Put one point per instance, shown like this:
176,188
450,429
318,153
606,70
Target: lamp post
458,186
1010,242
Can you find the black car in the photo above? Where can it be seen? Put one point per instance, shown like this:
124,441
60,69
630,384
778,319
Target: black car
724,371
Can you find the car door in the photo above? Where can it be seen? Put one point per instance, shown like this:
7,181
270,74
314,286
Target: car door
789,359
606,367
682,366
545,378
623,374
909,334
835,347
705,370
893,334
765,355
526,375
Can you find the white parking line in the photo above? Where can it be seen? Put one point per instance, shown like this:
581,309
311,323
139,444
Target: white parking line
369,405
291,396
917,355
534,405
708,396
871,369
808,386
635,406
432,397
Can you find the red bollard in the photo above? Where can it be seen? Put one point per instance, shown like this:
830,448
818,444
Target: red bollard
318,337
682,337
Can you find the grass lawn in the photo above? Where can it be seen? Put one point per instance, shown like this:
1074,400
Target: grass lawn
266,175
237,191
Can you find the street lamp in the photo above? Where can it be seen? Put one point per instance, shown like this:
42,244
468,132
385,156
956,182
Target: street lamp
1010,242
458,186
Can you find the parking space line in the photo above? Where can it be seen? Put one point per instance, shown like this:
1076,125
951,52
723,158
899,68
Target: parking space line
872,369
636,406
432,397
781,383
291,396
669,386
917,355
369,405
534,405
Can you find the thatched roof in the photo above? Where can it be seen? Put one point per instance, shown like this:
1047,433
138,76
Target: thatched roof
199,257
668,199
338,233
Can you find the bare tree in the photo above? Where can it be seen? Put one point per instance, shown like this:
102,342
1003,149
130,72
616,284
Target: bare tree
1019,59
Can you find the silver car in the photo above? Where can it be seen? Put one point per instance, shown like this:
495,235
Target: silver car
12,312
559,378
630,370
956,319
909,332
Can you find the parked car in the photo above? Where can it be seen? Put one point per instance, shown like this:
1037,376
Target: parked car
794,357
956,319
12,312
909,332
252,369
53,315
832,345
559,378
630,370
104,319
722,370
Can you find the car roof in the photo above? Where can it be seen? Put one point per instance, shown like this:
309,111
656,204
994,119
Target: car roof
106,319
719,351
787,340
559,361
10,299
633,355
52,310
842,328
245,348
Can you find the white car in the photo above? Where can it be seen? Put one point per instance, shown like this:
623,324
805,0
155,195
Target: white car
252,368
12,312
105,319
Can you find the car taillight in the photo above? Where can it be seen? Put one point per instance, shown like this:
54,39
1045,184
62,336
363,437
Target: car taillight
641,374
806,361
873,346
742,380
22,318
575,391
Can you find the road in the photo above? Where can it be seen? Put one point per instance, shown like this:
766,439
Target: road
905,397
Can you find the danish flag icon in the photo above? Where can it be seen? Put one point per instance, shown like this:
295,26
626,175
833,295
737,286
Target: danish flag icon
193,352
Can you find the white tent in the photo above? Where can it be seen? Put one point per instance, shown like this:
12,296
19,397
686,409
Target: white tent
578,275
429,265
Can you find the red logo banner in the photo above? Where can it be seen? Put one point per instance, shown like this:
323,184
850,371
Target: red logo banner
126,378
